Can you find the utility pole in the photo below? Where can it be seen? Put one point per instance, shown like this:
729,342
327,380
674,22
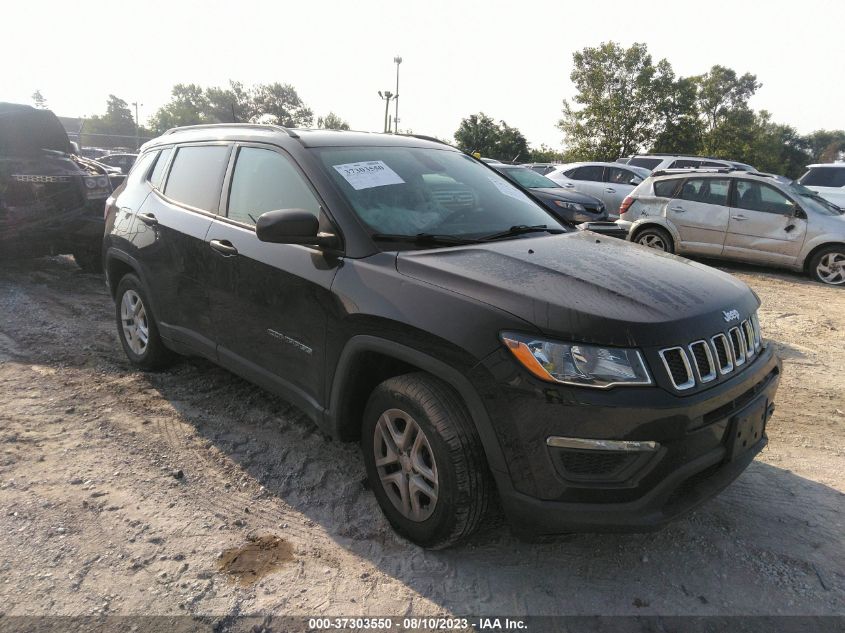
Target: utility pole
398,61
386,97
137,134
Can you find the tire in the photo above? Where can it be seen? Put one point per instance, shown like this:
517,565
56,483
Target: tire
135,323
656,238
450,450
828,266
90,261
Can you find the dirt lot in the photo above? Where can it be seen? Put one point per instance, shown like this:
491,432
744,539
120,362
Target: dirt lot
122,492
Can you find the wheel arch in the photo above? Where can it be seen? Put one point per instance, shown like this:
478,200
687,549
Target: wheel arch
368,360
641,225
815,250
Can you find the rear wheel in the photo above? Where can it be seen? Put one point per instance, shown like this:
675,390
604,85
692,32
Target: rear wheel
828,266
656,238
424,460
137,328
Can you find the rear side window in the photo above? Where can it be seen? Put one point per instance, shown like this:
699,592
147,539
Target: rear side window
158,170
706,190
756,196
824,177
683,163
619,176
666,188
710,163
142,166
648,163
263,181
588,172
196,176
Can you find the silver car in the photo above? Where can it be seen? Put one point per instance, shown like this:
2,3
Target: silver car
744,216
609,182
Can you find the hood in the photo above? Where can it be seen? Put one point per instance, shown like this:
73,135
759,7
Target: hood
566,195
25,130
585,287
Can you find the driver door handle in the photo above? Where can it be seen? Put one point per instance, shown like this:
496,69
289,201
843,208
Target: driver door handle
223,246
677,209
610,190
568,185
740,217
148,218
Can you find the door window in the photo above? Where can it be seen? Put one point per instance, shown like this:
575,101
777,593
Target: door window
683,163
264,180
158,171
756,196
824,177
619,176
666,188
706,190
197,176
588,172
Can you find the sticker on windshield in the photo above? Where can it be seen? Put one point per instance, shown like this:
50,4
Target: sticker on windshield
507,189
368,174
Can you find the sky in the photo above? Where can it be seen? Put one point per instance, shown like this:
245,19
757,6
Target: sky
509,60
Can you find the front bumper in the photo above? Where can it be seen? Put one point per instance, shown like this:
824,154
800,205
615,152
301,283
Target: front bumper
608,228
543,493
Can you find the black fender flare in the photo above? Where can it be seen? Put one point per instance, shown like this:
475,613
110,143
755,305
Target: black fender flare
113,253
443,371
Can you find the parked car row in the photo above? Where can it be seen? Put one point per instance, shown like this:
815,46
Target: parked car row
739,215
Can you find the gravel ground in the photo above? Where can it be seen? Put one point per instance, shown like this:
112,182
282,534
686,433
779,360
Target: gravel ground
130,493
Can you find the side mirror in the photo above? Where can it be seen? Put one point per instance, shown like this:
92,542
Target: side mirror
293,226
799,213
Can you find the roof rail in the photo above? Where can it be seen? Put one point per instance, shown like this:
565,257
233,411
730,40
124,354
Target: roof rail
694,170
202,126
423,137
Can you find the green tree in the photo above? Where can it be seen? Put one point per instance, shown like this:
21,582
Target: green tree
545,154
188,106
617,101
234,104
332,122
280,104
480,133
825,146
38,100
721,92
115,128
678,125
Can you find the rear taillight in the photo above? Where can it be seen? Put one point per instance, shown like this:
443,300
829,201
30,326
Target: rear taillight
626,204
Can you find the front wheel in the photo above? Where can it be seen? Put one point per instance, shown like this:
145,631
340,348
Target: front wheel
656,238
828,266
424,460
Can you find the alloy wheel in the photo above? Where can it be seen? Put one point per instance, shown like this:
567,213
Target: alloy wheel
405,465
133,318
831,269
652,241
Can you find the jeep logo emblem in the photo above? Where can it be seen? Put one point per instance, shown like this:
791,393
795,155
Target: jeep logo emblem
730,315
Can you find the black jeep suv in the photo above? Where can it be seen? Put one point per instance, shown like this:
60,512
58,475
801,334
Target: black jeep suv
51,200
408,296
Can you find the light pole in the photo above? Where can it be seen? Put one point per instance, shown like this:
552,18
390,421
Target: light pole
137,135
386,96
398,61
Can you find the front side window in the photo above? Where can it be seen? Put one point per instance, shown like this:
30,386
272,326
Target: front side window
264,180
158,171
824,177
756,196
706,190
407,191
196,176
588,172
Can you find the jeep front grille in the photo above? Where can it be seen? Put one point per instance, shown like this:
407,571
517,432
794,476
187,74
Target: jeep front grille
704,360
39,178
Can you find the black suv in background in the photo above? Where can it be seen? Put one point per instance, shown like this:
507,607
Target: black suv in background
51,200
472,345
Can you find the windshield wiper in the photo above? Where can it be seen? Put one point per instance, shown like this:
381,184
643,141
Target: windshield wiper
424,238
519,229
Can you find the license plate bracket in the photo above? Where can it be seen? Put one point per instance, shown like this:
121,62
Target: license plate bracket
747,427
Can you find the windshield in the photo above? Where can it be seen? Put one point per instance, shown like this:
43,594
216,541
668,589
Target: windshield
411,191
528,178
812,199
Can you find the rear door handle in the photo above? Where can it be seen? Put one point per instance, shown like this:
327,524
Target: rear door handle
148,218
678,209
740,217
223,246
609,190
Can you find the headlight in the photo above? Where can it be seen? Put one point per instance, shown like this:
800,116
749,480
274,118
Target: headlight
103,182
577,364
573,206
91,183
